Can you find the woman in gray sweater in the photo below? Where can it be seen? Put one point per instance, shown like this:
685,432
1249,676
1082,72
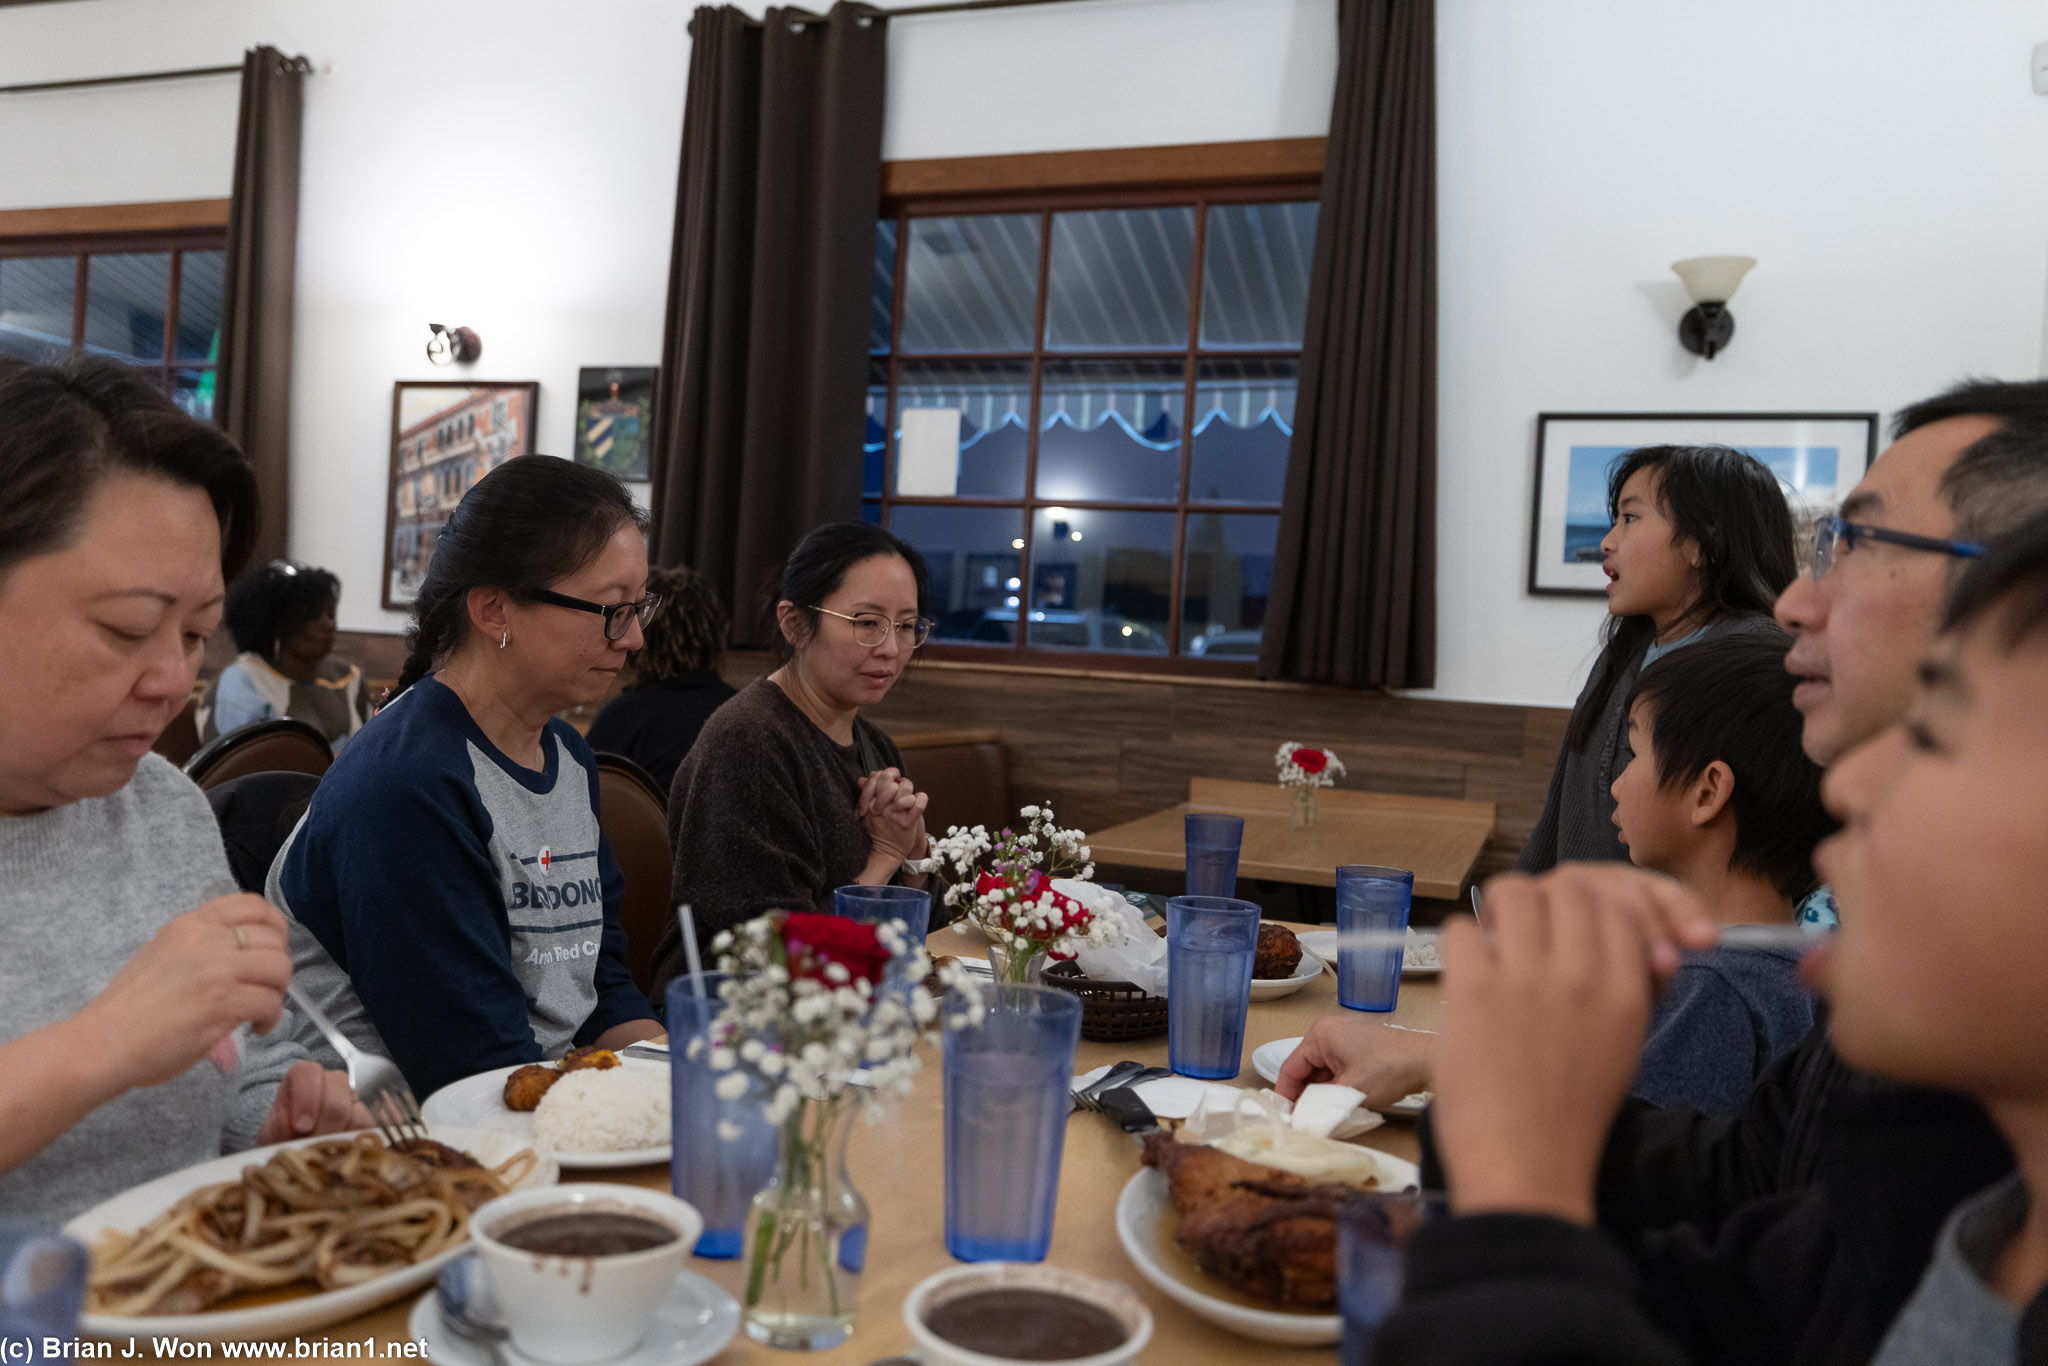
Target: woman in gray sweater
1701,546
131,964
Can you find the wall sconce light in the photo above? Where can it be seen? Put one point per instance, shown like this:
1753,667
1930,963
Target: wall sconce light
1710,282
449,344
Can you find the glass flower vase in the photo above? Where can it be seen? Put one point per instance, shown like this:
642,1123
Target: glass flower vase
1021,967
807,1235
1304,808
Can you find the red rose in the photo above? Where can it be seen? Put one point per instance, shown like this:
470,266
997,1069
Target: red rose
991,882
1310,761
810,942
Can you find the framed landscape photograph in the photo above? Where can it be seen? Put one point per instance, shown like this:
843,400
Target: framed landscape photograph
445,435
615,418
1817,457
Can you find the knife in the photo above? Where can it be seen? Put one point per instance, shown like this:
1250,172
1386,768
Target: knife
1129,1110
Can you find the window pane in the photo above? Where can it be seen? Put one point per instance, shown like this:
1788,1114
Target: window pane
974,555
1118,279
1101,580
36,295
877,439
1244,418
988,401
1110,431
885,286
192,390
125,298
1255,268
871,513
1228,578
199,290
971,283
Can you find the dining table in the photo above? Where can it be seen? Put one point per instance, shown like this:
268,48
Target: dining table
1436,838
898,1163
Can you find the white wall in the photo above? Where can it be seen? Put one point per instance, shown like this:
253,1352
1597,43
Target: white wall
511,166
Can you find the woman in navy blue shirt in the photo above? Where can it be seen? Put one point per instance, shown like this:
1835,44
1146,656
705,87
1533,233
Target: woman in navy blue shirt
455,904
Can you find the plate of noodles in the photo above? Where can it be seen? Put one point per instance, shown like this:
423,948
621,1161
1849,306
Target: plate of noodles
342,1224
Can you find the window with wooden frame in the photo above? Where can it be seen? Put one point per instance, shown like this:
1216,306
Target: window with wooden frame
121,285
1080,405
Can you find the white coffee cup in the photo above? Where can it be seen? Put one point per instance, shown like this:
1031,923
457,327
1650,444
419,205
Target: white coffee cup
934,1290
576,1309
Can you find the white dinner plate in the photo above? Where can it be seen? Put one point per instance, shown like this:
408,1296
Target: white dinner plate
1269,1058
1273,988
135,1207
1144,1224
691,1325
1418,958
478,1102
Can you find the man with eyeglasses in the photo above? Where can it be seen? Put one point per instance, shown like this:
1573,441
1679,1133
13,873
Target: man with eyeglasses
1796,1230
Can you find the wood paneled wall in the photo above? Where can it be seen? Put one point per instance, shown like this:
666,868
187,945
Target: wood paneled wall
1104,748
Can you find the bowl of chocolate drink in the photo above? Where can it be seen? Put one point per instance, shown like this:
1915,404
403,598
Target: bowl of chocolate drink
578,1269
997,1313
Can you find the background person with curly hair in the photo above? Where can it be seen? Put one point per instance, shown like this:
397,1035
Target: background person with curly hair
281,615
675,685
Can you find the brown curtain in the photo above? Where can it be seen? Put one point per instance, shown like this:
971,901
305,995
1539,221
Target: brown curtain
1354,573
253,386
761,417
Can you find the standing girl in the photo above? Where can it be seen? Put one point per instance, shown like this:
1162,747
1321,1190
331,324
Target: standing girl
1701,546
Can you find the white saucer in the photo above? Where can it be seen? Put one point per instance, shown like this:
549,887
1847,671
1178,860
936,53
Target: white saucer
1269,1058
692,1325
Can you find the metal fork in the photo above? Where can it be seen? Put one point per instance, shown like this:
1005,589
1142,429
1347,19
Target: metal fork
377,1082
1084,1096
1091,1096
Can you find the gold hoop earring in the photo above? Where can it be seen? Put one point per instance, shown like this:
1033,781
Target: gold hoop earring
504,638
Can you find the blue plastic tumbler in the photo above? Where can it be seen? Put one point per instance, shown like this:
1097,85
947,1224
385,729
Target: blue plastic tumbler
1213,844
1372,1239
1210,944
42,1288
718,1175
910,906
1371,898
1007,1083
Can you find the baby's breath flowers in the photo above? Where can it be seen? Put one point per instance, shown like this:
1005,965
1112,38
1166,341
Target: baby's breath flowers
1006,884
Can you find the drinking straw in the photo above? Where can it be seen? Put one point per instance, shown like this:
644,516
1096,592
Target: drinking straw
689,924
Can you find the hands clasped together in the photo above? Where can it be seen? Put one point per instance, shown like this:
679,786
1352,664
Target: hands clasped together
892,809
1545,1009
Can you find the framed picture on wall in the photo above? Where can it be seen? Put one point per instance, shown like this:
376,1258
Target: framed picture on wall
445,435
1818,457
615,418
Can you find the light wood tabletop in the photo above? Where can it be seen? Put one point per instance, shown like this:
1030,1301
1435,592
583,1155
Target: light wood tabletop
899,1165
1437,839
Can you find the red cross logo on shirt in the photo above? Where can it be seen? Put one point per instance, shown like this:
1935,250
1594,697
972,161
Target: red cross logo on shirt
545,858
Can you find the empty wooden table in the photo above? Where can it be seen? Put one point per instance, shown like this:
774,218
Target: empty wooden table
1437,839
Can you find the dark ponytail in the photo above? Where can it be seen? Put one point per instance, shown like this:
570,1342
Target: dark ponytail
818,565
528,523
1730,505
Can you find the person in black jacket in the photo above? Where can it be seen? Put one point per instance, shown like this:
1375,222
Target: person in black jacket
1797,1229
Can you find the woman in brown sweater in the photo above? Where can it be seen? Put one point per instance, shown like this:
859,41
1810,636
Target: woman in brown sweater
789,792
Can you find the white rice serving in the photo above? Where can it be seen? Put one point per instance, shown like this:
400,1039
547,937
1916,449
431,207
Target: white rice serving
610,1111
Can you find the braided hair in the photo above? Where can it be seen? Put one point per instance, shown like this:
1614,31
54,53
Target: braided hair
687,632
531,521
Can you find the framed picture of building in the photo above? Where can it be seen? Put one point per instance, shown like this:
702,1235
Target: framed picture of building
445,435
1817,457
615,418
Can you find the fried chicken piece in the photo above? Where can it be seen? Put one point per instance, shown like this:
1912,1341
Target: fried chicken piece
525,1087
1263,1231
589,1057
1278,953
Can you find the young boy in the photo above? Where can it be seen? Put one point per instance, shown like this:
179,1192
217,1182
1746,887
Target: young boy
1720,797
1941,976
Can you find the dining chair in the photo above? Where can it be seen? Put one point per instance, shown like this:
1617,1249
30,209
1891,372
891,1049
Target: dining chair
633,812
283,743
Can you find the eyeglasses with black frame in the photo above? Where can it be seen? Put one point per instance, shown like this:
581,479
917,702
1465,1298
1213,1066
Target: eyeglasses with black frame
1830,530
617,616
870,630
